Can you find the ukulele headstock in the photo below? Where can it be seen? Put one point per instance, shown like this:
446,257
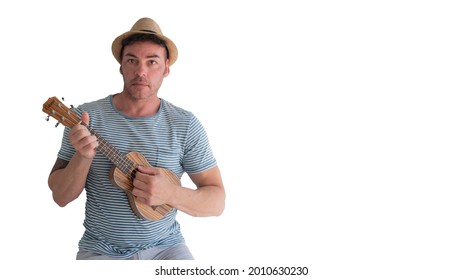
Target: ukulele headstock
56,109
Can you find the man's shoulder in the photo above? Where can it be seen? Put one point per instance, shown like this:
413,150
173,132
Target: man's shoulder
175,112
96,104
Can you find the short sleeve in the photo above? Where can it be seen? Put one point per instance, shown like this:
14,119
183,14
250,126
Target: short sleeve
67,151
198,155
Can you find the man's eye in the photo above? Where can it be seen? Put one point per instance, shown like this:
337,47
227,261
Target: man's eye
130,60
153,62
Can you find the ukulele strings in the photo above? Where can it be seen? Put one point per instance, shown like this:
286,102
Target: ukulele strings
119,159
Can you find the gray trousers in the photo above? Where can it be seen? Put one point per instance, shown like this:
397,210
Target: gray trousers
177,252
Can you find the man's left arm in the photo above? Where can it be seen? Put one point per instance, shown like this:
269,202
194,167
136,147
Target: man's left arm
153,187
207,200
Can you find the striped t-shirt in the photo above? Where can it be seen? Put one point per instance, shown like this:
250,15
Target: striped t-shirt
173,139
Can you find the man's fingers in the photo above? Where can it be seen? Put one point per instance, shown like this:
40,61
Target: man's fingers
86,118
149,170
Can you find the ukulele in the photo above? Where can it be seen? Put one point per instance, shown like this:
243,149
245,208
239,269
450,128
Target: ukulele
124,165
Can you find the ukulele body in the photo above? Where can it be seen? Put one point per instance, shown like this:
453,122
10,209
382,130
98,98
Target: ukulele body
124,181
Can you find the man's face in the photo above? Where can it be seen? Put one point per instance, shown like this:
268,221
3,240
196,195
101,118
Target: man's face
144,66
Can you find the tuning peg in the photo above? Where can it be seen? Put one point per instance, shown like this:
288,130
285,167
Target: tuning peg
72,106
47,118
56,125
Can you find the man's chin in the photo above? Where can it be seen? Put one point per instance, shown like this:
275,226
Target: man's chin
141,94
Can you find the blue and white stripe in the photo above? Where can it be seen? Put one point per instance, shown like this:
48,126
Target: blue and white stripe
173,139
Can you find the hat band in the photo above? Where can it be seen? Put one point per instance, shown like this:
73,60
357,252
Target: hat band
150,31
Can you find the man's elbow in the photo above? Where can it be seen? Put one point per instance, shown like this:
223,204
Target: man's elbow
60,201
221,205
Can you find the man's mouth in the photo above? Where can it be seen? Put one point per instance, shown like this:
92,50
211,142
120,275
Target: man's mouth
139,84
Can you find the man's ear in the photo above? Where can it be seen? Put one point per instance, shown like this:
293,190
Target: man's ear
167,68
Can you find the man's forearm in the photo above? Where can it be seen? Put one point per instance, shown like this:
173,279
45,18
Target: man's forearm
67,179
202,202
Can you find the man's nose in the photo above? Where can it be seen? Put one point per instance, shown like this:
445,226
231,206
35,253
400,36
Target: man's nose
141,70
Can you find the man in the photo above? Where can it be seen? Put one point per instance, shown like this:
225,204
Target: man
169,137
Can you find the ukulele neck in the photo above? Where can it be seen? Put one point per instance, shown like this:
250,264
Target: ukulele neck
119,159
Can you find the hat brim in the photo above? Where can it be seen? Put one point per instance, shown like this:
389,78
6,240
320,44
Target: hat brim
117,45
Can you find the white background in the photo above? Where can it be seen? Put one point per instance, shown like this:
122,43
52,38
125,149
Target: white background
336,124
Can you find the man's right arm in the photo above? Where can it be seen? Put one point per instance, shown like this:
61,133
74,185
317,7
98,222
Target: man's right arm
67,178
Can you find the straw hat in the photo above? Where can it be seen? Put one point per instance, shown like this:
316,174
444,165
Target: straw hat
144,26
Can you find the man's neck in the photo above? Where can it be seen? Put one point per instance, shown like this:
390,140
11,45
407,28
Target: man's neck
136,107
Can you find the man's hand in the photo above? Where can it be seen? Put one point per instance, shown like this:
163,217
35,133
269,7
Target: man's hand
153,186
81,139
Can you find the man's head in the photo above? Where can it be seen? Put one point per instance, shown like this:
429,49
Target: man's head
145,29
142,37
